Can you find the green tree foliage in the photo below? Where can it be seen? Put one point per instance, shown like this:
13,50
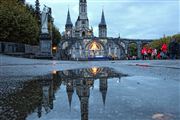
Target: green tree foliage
37,11
30,9
56,36
17,23
177,37
22,1
159,42
133,49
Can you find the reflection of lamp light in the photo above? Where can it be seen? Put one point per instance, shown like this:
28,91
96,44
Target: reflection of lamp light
94,70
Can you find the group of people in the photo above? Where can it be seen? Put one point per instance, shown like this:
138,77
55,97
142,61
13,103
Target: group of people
149,53
170,51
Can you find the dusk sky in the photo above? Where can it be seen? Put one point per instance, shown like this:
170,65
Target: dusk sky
137,19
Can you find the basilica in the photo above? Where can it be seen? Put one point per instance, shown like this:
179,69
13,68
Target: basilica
79,43
81,28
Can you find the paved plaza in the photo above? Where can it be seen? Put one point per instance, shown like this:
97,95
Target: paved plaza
135,90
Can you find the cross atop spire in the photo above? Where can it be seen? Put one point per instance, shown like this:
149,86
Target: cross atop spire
103,21
68,21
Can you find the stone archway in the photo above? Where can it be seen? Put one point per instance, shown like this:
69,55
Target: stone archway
95,49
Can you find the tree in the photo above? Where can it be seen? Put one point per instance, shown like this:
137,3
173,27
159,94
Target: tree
177,37
22,1
157,44
30,9
56,36
17,23
133,49
37,11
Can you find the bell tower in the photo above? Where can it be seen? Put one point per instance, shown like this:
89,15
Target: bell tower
82,23
83,16
83,9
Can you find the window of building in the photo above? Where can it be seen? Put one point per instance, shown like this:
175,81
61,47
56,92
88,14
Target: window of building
83,34
83,22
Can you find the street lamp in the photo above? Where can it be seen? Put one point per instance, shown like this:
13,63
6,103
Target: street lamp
54,48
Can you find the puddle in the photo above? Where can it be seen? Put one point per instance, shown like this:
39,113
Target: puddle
81,94
37,96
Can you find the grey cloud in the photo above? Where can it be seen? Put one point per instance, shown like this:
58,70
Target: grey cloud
130,18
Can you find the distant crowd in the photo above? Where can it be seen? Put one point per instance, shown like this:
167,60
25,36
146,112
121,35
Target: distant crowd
167,51
171,51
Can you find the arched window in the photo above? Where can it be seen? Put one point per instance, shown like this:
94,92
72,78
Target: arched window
83,34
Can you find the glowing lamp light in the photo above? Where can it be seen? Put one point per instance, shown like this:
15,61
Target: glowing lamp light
54,48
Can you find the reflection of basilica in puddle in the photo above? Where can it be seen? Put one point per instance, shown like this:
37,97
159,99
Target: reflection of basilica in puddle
40,94
80,81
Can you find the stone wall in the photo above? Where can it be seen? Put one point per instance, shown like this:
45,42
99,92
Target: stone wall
9,48
31,49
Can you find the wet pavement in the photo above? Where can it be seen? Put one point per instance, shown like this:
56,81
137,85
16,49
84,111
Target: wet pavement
107,90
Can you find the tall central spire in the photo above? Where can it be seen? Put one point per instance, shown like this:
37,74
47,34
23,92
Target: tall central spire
83,9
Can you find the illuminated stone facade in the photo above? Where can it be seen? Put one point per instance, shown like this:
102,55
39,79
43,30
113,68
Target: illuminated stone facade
79,42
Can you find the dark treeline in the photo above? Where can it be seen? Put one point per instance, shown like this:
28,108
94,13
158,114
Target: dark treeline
20,22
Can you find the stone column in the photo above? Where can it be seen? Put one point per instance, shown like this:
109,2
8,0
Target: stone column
126,47
80,51
74,53
115,51
109,52
139,47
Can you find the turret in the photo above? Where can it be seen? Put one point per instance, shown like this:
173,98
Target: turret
68,26
103,89
102,26
70,91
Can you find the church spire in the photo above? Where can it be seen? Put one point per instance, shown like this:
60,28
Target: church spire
103,21
103,89
70,91
103,26
68,26
68,21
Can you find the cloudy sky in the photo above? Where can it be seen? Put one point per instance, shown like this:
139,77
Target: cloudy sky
138,19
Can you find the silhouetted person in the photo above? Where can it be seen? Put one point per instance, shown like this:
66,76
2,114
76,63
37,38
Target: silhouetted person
173,49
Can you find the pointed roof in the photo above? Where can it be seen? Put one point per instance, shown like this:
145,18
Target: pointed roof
104,97
70,91
68,21
103,21
103,89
